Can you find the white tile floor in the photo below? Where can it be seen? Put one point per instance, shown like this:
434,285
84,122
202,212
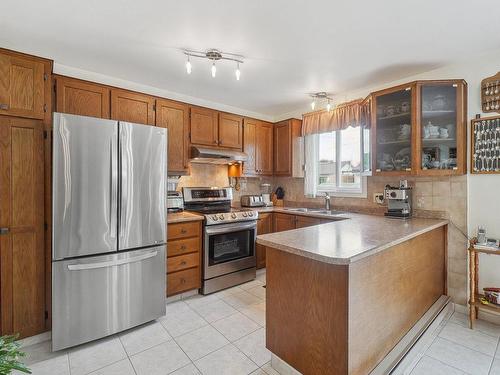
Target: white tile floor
224,333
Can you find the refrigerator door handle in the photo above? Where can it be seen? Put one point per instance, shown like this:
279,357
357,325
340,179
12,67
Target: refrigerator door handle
124,167
114,187
110,263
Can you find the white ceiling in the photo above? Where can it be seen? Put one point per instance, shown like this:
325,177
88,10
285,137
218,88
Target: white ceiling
291,47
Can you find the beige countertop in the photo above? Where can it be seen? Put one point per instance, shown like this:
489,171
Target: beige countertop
180,217
349,240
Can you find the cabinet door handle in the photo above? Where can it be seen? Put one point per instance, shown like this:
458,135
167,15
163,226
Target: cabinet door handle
215,142
4,230
4,106
183,281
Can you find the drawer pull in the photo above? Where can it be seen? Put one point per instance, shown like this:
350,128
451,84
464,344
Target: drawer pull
4,106
183,263
183,231
183,247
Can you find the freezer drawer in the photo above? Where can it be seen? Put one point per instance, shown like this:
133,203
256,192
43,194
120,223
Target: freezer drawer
98,296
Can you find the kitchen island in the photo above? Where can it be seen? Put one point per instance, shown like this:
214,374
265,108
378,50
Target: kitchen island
341,295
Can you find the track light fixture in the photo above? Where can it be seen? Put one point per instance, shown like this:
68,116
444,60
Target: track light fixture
321,96
214,55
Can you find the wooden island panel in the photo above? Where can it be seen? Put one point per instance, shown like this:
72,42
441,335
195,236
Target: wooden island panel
333,319
389,292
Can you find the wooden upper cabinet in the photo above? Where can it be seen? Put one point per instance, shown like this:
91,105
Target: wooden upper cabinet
82,98
22,255
258,145
22,86
175,117
204,126
264,149
250,146
230,131
419,128
132,107
284,134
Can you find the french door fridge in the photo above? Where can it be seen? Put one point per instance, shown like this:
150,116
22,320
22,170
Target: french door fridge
108,229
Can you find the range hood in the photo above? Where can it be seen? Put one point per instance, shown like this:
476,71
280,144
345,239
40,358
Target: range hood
216,156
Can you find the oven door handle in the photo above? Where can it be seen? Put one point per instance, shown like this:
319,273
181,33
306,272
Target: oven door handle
220,229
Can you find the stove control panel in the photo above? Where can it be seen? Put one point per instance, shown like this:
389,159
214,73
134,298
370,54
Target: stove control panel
226,218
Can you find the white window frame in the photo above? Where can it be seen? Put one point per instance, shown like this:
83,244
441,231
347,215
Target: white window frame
336,190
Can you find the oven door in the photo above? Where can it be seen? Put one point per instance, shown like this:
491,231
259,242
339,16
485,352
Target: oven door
229,248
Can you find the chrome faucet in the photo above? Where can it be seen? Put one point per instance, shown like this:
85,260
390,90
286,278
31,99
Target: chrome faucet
327,201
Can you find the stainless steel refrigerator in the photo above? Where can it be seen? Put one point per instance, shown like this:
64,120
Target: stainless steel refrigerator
108,227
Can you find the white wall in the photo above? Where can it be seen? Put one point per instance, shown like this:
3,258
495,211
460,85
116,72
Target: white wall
483,190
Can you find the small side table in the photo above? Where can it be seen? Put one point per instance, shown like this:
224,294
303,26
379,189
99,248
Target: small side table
475,296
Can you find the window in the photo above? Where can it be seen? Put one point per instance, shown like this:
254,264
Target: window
336,162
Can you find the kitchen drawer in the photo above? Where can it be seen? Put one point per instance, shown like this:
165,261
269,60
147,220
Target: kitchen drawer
182,262
182,281
183,230
184,246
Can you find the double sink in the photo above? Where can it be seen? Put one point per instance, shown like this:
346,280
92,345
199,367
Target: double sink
321,211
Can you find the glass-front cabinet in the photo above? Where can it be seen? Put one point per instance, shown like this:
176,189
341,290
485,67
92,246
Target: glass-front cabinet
420,129
442,131
393,116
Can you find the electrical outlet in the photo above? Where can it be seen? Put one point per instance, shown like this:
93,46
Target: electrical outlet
378,198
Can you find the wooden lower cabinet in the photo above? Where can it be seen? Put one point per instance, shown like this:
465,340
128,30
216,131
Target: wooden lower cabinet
282,222
306,221
183,257
22,243
264,225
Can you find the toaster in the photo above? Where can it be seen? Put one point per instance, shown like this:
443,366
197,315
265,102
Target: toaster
175,202
252,201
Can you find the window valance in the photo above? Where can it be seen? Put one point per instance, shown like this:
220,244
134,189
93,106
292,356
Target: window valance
353,113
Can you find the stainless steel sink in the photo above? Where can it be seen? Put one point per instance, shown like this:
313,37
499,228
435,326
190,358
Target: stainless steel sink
326,212
314,210
294,209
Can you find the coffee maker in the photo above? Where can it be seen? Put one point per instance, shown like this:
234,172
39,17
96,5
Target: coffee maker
399,202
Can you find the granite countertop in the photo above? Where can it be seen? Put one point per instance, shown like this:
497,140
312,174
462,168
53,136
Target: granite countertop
180,217
349,240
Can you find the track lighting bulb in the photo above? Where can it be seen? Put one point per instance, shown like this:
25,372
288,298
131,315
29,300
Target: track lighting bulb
214,70
188,66
238,72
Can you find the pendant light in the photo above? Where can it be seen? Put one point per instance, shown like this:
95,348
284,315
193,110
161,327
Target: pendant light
313,104
328,106
214,70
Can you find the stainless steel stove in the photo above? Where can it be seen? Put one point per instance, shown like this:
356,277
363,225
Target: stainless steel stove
229,237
